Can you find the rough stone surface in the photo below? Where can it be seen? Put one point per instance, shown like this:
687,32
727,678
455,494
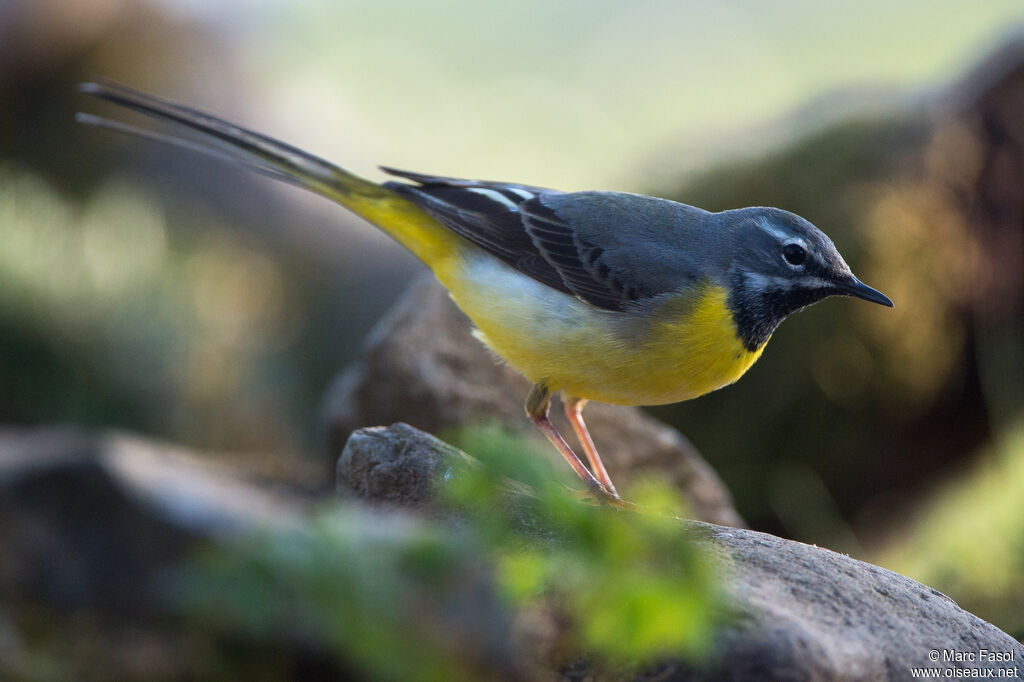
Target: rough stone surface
397,465
423,367
92,520
810,613
801,612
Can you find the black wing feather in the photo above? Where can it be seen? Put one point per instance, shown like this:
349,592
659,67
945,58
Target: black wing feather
521,230
492,225
578,261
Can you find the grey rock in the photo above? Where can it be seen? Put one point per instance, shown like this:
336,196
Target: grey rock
397,465
800,612
93,520
808,613
424,367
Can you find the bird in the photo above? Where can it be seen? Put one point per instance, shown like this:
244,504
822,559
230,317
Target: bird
599,296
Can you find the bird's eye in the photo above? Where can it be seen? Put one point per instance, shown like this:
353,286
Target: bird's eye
794,254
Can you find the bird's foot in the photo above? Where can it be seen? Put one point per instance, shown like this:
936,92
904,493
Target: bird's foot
597,494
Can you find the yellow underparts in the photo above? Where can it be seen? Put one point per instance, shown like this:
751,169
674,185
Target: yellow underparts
685,348
679,351
697,347
409,225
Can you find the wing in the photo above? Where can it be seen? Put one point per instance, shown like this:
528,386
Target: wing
485,214
592,245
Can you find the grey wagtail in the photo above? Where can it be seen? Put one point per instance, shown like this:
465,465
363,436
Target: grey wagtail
619,298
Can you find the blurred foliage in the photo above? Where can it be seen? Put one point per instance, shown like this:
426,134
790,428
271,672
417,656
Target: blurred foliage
221,323
426,600
968,539
110,319
372,592
634,586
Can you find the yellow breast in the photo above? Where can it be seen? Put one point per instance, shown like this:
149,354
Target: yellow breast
681,350
695,347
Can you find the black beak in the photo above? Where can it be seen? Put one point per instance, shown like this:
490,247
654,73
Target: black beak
855,287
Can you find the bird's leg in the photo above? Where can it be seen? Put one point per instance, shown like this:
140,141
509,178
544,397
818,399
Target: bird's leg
537,404
574,411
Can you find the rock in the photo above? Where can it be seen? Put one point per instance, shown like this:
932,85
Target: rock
93,520
100,531
800,612
423,367
397,465
812,614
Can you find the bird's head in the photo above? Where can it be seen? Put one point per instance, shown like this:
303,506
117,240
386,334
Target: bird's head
779,264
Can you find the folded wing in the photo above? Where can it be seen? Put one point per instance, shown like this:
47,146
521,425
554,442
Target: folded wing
522,226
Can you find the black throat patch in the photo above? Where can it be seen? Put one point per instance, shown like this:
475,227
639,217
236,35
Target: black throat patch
758,312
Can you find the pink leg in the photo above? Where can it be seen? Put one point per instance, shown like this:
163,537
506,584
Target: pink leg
537,404
574,411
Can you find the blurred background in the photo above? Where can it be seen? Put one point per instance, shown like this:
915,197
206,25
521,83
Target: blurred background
144,288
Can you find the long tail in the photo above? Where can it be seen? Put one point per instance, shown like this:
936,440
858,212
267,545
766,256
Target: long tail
393,214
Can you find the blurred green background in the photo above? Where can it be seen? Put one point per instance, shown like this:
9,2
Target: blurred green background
147,289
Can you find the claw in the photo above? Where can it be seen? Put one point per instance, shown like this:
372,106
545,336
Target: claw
599,496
